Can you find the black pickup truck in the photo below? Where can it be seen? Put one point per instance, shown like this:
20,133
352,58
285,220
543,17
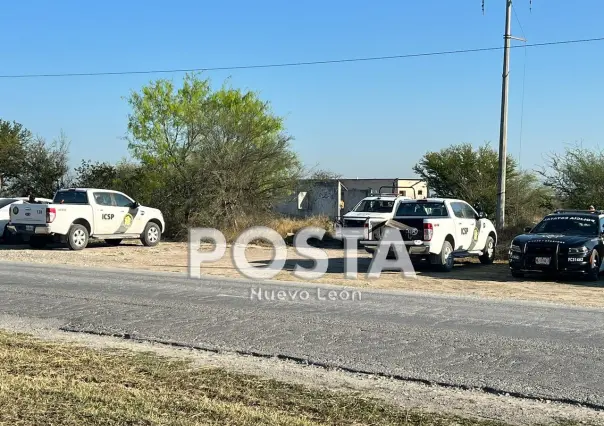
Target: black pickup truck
564,242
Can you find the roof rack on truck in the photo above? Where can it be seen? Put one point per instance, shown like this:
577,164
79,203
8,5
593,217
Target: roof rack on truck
395,194
579,211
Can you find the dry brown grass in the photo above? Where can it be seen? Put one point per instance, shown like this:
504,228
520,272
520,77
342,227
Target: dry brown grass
47,383
285,226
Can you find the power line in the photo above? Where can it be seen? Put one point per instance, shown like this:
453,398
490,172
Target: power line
518,20
294,64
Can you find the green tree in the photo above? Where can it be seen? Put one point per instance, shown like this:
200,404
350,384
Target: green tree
95,175
14,139
576,177
462,172
322,174
44,168
216,156
133,179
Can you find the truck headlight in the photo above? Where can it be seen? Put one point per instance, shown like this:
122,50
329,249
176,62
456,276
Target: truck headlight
515,248
578,250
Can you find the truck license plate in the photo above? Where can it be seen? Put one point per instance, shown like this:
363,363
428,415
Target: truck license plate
29,227
542,260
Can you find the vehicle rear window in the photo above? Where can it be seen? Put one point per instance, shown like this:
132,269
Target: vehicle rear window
422,209
374,206
4,203
70,197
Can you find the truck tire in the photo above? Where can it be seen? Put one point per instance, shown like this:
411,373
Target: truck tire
37,242
151,235
488,256
593,273
77,237
517,274
114,242
444,260
6,236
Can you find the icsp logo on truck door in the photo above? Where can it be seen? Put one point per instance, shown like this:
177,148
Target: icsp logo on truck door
126,223
108,216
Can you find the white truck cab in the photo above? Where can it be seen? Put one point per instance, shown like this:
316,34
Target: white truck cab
382,206
437,229
77,214
376,207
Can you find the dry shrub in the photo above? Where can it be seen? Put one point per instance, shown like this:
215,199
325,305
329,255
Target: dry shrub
285,226
505,237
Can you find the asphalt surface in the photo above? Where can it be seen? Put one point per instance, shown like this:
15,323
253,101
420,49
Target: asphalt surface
527,349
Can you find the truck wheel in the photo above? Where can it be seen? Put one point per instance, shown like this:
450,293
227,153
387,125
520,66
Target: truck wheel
6,236
444,260
37,242
517,274
77,237
593,273
151,235
488,256
113,242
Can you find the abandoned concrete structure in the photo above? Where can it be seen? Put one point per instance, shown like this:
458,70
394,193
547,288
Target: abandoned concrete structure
336,197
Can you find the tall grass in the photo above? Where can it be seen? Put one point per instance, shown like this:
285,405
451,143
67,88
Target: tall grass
284,226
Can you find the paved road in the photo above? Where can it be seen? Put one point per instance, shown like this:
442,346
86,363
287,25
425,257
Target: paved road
531,349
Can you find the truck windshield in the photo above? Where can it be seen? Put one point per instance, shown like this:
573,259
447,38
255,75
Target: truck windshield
569,225
374,206
70,197
422,209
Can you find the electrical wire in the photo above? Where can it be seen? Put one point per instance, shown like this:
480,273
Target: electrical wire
295,64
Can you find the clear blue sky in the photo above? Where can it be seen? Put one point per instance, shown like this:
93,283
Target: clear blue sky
367,119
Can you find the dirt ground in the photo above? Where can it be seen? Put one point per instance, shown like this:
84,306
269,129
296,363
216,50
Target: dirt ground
471,404
468,278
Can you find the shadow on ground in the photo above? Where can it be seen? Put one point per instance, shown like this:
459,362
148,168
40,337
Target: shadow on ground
467,270
57,246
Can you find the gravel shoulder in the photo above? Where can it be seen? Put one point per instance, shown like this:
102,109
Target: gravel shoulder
468,278
408,395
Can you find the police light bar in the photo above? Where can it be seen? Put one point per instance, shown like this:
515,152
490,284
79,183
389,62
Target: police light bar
579,211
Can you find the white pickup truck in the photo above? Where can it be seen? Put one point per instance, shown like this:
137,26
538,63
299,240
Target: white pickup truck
374,207
439,230
75,215
382,206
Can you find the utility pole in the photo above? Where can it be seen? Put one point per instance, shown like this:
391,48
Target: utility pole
503,129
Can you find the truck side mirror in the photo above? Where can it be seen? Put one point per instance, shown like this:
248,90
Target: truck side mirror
527,229
135,205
